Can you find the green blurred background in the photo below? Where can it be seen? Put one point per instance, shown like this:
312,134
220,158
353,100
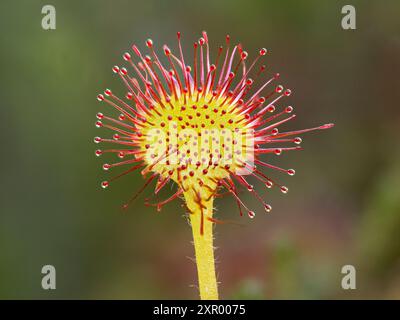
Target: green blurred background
343,206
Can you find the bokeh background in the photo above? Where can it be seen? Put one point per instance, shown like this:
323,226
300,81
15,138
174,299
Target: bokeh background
343,206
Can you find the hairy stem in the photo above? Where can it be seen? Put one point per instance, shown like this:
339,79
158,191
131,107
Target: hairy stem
203,245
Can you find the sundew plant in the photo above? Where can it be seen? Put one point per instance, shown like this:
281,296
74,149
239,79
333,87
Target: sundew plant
203,124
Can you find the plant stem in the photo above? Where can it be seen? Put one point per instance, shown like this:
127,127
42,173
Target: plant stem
203,245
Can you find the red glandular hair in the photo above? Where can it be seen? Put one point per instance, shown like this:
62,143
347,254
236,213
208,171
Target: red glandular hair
173,112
